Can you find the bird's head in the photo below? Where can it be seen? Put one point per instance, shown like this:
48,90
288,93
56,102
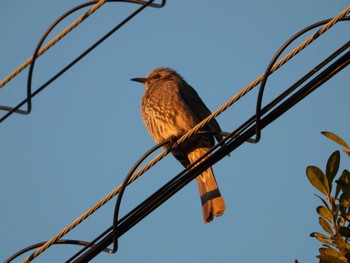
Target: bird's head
158,74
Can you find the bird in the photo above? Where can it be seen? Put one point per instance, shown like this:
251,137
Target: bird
170,107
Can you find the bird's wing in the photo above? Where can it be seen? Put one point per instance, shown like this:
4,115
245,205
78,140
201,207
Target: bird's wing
199,109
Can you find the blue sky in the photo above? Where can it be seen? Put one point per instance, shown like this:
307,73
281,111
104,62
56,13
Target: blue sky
85,131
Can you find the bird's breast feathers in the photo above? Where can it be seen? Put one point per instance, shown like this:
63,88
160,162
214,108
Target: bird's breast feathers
165,118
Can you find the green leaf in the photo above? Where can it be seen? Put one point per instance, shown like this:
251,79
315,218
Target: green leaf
325,213
332,168
318,179
325,225
336,138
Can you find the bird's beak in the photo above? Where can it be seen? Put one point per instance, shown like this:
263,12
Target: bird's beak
142,80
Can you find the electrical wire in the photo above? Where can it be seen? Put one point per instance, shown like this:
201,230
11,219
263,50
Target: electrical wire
328,23
276,66
38,51
58,242
126,182
98,4
122,188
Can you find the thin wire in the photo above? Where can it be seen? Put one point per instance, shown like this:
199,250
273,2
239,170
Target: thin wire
38,48
53,41
98,4
276,66
272,104
122,188
32,61
37,54
127,179
58,242
126,182
268,71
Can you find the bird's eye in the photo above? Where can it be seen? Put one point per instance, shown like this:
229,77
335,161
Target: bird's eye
157,76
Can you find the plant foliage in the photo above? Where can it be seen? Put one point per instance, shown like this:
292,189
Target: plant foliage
334,213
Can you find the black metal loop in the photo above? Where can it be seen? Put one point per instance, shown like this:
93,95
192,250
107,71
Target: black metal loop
30,95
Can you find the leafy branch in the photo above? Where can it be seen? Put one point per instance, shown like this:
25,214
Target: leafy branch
334,214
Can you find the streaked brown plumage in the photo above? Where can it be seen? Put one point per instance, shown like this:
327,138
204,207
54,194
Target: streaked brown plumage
170,107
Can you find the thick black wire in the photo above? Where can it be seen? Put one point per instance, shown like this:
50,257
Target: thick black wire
59,242
30,95
272,63
268,72
123,187
35,56
120,194
36,51
277,100
131,172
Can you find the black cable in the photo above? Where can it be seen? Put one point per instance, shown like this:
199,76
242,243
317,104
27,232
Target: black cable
58,242
287,92
272,63
133,169
268,72
121,193
35,55
30,95
123,187
117,206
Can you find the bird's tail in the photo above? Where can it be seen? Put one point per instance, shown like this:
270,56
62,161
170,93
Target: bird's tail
212,202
